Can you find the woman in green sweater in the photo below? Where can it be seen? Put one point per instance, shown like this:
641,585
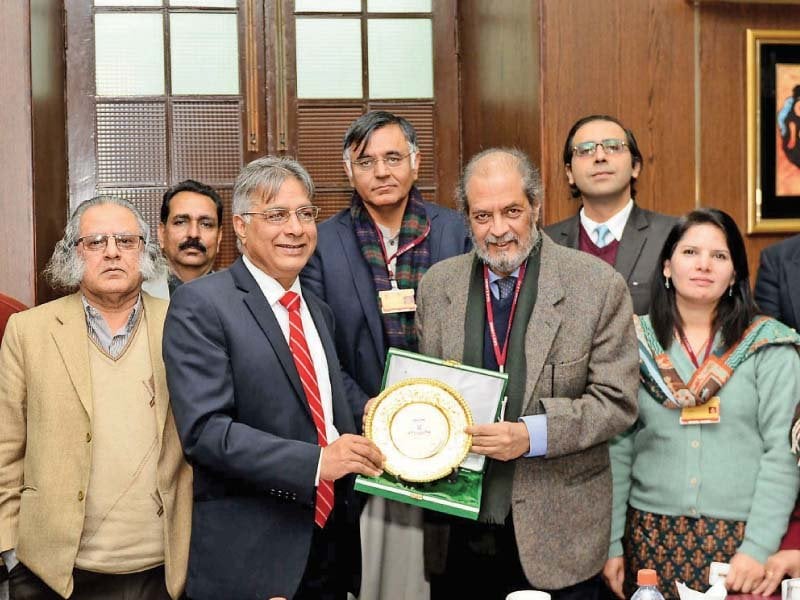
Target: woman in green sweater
706,473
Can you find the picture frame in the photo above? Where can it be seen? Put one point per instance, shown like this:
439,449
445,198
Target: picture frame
773,131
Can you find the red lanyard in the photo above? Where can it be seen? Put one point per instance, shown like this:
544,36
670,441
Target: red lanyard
402,249
500,354
690,352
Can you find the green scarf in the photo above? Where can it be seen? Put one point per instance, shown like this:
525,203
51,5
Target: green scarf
499,476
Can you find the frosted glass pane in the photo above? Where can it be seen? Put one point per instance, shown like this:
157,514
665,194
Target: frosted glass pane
129,54
204,3
327,6
378,6
127,2
204,53
400,58
328,58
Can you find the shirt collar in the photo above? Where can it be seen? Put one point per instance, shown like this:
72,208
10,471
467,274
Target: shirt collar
272,290
494,276
616,224
95,320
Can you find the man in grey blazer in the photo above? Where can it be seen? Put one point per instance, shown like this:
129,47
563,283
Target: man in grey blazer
561,325
602,161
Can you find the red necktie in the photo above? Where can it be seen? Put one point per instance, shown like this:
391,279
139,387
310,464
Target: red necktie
308,377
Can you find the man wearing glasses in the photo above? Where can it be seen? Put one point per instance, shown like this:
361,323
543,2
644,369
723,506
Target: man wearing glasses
369,260
262,410
603,162
95,496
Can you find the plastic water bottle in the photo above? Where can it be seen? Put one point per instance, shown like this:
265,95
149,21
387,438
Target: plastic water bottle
647,580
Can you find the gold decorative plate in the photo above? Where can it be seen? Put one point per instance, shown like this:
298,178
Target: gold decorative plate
419,425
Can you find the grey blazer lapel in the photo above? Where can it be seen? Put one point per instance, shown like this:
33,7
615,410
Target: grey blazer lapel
456,293
362,281
544,323
630,246
568,236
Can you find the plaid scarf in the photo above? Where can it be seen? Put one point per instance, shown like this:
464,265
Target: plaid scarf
411,264
661,379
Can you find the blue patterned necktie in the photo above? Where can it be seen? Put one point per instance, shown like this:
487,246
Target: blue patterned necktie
602,234
506,286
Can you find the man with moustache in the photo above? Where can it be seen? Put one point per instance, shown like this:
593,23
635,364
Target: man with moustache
603,161
519,304
262,409
190,234
95,496
379,247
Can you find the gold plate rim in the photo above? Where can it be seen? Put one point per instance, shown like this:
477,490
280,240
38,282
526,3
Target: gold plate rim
450,391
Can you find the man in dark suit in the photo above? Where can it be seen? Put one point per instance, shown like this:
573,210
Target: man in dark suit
602,162
382,244
778,282
262,411
382,162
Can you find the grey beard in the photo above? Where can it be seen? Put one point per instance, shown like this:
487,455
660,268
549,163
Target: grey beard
506,263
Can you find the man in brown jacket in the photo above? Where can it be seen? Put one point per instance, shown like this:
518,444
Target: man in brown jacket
95,496
560,323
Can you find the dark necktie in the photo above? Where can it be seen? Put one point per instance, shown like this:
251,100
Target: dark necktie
506,286
308,377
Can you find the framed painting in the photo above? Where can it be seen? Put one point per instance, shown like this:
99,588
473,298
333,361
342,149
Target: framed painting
773,131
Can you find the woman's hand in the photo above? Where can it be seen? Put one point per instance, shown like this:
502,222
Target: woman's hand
784,563
614,575
746,574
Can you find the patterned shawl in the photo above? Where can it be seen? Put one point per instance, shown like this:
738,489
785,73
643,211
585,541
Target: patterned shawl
661,379
411,265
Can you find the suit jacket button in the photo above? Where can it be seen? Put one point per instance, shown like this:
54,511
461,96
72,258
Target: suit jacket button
80,496
88,437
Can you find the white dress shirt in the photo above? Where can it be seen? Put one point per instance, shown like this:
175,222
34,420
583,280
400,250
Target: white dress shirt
273,292
616,224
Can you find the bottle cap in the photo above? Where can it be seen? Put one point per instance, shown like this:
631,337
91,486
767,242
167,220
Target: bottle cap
646,577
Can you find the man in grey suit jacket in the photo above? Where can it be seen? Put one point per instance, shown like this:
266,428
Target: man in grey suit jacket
778,282
603,161
520,303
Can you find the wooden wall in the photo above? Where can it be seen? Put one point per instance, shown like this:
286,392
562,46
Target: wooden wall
33,197
16,191
723,139
499,83
631,59
49,118
557,60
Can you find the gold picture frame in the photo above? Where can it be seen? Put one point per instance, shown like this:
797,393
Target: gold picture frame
773,131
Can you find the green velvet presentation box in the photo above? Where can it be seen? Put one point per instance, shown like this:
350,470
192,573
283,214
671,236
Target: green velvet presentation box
418,423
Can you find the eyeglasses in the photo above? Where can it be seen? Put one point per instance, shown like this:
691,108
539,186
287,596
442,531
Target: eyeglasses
368,163
610,146
279,216
99,242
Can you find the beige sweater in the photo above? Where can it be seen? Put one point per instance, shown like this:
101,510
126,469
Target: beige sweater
123,530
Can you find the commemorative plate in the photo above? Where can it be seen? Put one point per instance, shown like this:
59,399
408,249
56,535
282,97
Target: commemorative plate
419,424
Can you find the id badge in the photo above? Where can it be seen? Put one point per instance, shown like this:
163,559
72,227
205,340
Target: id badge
397,301
707,413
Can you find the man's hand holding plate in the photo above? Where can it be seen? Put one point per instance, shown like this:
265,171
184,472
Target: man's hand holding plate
351,454
501,441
